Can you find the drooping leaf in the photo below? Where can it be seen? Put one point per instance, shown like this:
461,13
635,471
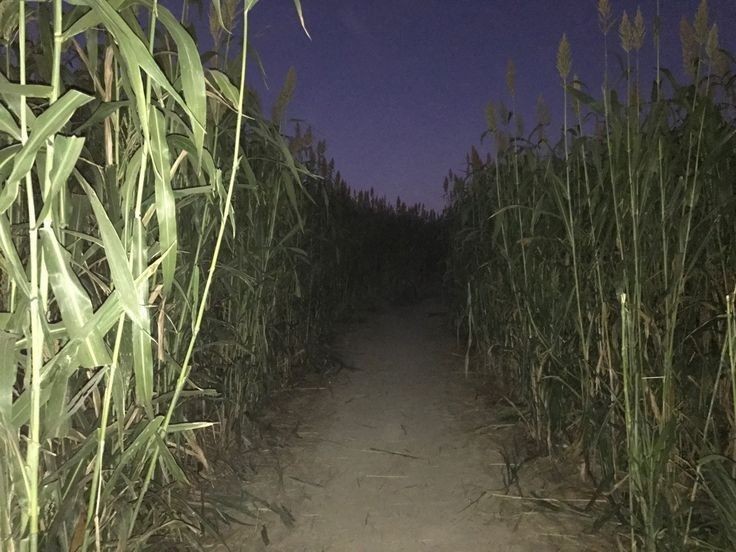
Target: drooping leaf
8,124
74,303
66,154
14,266
116,259
165,205
191,73
44,127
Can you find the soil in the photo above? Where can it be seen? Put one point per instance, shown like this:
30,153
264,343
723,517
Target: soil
398,451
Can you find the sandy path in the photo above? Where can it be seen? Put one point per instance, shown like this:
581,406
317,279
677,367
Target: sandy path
390,457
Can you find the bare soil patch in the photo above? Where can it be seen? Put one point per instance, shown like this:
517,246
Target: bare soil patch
396,451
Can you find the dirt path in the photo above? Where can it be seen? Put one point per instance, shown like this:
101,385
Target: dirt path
397,455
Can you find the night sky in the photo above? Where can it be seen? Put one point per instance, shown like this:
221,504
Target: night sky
398,88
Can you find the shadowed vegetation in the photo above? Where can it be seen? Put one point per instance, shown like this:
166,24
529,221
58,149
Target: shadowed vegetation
169,256
166,261
595,271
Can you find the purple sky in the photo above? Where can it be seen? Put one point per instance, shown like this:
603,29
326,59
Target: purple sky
398,87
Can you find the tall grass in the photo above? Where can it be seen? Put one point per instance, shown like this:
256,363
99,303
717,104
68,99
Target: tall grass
140,212
369,250
167,256
598,271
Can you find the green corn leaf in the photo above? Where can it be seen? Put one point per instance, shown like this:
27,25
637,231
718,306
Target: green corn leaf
221,82
73,302
131,179
191,72
28,90
44,127
135,55
8,368
9,193
218,13
179,142
54,411
168,462
116,259
165,205
193,191
14,104
142,342
298,6
8,124
102,112
139,446
107,315
13,265
61,366
66,154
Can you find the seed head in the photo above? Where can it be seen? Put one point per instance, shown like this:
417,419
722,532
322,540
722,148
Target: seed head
689,46
626,32
711,46
638,31
564,58
279,107
700,23
605,16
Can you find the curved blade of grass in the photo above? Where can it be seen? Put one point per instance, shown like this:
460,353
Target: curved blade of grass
8,124
165,206
27,90
102,112
66,154
116,258
73,302
13,264
142,342
44,127
135,56
8,368
191,73
298,6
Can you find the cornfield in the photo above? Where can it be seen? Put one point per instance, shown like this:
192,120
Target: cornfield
595,272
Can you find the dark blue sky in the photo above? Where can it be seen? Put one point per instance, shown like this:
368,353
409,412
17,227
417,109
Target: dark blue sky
398,87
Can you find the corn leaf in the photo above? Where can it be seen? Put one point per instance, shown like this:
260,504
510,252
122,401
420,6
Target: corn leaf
8,367
44,127
191,72
66,154
116,258
165,206
8,124
142,342
13,264
73,302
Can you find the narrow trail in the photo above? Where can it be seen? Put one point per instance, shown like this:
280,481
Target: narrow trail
397,455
